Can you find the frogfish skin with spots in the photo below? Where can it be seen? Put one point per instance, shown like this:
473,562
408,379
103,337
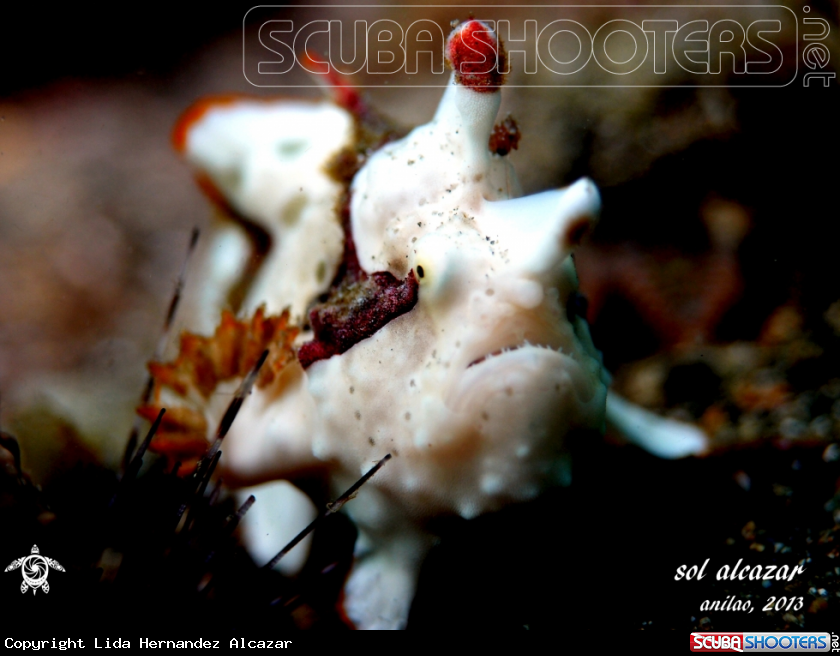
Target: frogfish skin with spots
413,302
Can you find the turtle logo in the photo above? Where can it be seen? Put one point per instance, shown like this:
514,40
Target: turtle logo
35,568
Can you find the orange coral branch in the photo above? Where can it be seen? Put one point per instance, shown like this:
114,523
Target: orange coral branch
204,362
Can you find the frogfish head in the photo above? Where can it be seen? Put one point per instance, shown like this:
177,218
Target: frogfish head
477,385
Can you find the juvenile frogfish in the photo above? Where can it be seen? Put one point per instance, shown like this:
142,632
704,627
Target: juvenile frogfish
436,309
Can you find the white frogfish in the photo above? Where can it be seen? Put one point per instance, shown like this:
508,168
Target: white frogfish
432,315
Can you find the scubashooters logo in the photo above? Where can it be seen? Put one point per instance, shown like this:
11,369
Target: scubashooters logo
815,55
35,569
547,46
785,642
760,642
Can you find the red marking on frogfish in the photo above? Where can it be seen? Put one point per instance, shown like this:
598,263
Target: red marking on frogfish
356,311
195,113
505,136
198,110
341,88
358,304
477,56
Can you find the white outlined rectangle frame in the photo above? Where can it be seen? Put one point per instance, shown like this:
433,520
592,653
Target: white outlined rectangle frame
533,86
